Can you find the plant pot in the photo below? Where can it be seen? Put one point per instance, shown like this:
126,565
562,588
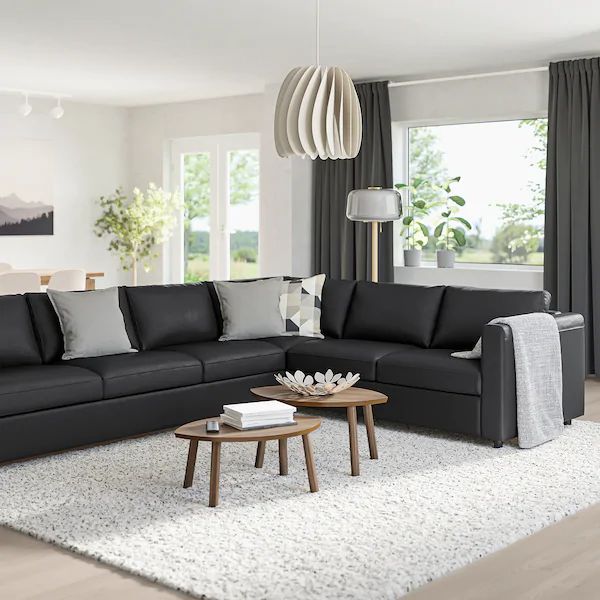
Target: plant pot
412,258
445,259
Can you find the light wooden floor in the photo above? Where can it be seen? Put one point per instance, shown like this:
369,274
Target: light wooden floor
559,562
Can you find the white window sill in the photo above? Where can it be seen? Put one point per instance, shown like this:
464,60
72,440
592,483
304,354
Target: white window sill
479,267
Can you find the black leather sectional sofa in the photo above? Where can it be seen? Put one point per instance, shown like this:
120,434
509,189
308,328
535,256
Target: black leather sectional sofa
398,337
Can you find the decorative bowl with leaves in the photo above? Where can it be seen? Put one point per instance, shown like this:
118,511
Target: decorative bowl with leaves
318,385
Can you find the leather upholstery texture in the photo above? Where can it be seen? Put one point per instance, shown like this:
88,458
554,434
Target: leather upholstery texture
145,371
18,345
186,374
391,312
341,356
47,326
465,311
431,370
336,299
45,431
172,314
32,388
236,358
285,342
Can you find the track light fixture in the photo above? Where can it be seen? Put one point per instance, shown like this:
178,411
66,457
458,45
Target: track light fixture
58,111
25,109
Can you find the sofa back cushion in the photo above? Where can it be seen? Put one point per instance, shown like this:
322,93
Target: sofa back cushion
336,298
47,326
166,315
391,312
465,311
18,345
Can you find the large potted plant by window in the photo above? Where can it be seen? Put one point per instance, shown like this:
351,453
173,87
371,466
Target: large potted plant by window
450,232
414,230
137,225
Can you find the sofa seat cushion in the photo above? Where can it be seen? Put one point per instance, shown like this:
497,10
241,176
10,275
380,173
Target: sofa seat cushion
31,388
341,356
145,371
431,370
235,358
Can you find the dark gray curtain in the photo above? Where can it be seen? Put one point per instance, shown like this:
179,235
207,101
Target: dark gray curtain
572,236
341,246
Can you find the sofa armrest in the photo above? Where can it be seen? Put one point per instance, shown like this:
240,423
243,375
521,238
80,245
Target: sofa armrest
498,394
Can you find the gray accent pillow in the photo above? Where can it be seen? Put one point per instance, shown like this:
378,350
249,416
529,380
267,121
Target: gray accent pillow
92,323
250,309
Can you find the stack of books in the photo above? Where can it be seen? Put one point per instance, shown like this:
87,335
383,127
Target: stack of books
257,415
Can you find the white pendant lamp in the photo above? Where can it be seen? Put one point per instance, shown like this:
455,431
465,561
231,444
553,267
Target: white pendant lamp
318,112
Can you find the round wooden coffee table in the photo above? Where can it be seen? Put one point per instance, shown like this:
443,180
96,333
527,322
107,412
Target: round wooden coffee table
349,399
196,432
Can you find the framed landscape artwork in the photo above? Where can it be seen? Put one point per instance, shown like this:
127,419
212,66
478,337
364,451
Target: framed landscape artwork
26,187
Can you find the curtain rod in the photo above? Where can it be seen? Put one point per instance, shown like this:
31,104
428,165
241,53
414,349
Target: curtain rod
461,77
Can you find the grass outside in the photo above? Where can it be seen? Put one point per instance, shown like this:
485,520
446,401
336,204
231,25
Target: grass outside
486,257
198,269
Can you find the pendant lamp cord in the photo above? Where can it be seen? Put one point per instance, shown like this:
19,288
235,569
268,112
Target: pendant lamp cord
317,32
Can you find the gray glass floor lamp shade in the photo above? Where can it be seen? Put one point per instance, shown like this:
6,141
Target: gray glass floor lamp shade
374,205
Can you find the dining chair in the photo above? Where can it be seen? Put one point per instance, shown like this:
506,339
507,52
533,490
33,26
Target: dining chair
67,280
5,267
19,283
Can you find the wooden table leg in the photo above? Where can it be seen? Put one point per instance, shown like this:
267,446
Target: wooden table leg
90,283
370,424
215,467
260,455
310,464
191,464
354,461
283,457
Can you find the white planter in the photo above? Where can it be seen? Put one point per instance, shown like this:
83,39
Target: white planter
412,258
445,259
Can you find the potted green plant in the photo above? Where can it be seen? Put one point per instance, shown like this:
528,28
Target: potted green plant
450,231
414,231
137,225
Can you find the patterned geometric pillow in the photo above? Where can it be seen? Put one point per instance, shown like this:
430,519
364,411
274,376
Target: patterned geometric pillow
300,306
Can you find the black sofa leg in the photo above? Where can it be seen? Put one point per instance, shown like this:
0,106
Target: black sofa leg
568,422
498,444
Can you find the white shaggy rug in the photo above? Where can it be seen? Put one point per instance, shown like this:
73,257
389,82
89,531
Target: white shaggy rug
430,504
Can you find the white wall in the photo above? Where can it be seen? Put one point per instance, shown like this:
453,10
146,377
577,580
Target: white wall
484,99
90,152
286,213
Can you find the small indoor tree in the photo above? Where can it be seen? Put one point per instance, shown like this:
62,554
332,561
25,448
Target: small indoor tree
137,225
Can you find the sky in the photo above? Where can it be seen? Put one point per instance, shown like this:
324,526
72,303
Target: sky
491,159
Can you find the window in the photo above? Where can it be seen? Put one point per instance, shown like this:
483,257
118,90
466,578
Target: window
502,167
219,177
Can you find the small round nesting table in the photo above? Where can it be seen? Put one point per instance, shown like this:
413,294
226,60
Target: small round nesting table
349,399
196,432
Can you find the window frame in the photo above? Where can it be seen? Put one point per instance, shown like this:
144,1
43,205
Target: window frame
218,146
400,162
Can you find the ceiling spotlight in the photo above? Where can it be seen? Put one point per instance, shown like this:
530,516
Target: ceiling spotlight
58,111
25,108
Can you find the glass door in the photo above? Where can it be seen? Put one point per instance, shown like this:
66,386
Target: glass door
219,227
243,186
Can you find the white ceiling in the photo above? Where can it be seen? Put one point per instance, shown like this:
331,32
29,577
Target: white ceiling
135,52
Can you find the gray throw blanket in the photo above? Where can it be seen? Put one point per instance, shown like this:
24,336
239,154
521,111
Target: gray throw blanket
538,369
